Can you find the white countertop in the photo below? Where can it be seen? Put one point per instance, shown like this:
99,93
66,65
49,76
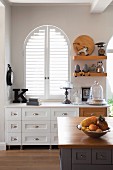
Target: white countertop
54,104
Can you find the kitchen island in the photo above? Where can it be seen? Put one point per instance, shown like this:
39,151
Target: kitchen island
79,152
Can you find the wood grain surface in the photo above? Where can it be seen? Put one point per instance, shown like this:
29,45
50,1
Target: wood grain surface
70,137
29,160
83,41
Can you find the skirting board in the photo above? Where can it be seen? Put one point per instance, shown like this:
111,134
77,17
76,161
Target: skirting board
2,146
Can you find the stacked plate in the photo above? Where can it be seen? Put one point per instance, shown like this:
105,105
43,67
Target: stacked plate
96,102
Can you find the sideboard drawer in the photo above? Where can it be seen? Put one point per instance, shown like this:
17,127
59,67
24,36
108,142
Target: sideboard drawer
81,156
13,126
35,114
13,139
36,139
64,112
101,156
13,113
36,126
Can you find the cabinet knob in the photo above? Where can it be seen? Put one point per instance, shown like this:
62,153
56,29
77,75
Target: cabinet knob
35,114
36,138
13,139
13,126
14,114
64,114
92,114
36,126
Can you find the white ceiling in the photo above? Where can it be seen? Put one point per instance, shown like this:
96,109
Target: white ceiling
97,6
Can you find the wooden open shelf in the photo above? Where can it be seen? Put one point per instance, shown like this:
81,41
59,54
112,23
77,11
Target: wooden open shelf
89,74
89,57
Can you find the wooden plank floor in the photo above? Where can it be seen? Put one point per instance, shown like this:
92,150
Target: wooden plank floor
30,159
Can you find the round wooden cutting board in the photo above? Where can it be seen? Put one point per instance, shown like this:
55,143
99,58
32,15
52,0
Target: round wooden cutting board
83,41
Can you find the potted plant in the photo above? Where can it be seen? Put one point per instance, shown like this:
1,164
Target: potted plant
110,102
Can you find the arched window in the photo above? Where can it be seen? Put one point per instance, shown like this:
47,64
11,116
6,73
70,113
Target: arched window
47,51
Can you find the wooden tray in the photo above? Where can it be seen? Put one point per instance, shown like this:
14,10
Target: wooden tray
84,41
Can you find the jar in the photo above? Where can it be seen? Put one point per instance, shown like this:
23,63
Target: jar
96,91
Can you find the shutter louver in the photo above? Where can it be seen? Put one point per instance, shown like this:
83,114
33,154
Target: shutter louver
58,62
35,56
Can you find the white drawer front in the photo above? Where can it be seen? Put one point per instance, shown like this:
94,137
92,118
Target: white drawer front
36,126
36,114
54,139
36,139
63,112
13,139
13,113
13,126
54,127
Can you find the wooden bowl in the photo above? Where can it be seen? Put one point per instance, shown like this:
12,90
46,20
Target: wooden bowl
93,134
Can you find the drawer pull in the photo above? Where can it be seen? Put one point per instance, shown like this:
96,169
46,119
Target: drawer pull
36,138
13,126
13,139
35,114
36,126
92,114
14,114
64,114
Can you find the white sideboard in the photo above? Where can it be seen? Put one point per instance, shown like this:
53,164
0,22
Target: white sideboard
34,125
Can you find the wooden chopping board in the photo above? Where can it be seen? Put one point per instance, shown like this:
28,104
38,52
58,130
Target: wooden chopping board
83,41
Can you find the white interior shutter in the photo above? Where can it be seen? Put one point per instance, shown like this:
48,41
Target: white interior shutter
47,62
35,59
58,53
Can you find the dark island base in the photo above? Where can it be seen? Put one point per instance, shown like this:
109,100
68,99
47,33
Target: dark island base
86,159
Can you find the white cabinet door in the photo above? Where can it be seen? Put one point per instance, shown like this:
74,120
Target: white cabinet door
13,126
13,139
35,114
13,114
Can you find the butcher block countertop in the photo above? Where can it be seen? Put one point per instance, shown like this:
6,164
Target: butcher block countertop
71,137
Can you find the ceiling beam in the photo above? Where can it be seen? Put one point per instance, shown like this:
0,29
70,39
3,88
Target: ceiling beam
98,6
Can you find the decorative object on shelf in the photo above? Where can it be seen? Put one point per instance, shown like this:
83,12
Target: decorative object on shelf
76,96
83,45
19,97
83,51
85,68
92,68
96,95
100,68
77,68
67,85
101,50
33,101
85,93
9,76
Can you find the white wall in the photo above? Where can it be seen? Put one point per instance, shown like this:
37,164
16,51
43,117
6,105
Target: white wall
73,20
4,58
